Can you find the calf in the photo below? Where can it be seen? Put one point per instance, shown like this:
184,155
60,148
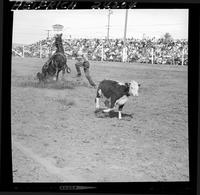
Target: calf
117,92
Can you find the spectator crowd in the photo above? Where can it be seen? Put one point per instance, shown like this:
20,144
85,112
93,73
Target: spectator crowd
157,51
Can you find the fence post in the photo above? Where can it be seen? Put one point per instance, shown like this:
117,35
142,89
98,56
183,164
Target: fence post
182,60
152,51
102,51
23,51
124,54
40,50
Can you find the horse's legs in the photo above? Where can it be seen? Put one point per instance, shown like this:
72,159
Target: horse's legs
63,73
57,74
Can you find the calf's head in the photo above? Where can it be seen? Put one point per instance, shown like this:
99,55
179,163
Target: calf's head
134,88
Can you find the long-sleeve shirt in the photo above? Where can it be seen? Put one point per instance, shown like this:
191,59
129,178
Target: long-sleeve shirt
82,57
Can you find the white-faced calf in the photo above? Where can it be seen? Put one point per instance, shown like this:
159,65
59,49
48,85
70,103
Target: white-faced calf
117,93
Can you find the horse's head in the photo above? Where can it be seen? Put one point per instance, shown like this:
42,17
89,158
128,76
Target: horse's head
58,43
59,35
58,40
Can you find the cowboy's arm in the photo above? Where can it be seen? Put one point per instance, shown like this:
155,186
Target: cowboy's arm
85,58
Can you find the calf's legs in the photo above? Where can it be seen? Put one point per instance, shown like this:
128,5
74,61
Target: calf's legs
120,111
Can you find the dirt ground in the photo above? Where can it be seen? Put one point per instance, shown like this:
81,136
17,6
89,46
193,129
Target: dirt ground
58,137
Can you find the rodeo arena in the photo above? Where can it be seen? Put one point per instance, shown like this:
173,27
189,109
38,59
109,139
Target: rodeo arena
100,109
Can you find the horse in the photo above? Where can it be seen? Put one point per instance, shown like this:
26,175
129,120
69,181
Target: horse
56,63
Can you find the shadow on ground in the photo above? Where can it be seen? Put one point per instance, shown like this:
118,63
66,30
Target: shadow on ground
112,114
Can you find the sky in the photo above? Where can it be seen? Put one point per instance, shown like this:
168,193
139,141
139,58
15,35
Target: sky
30,26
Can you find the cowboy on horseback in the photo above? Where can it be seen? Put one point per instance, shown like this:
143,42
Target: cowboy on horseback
55,63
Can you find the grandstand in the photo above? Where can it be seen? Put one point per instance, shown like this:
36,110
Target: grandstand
155,51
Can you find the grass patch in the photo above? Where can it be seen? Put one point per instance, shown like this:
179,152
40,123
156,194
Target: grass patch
61,85
48,85
29,81
65,102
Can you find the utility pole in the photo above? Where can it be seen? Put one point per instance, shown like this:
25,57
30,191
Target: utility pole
108,28
40,49
49,48
125,26
48,33
125,52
